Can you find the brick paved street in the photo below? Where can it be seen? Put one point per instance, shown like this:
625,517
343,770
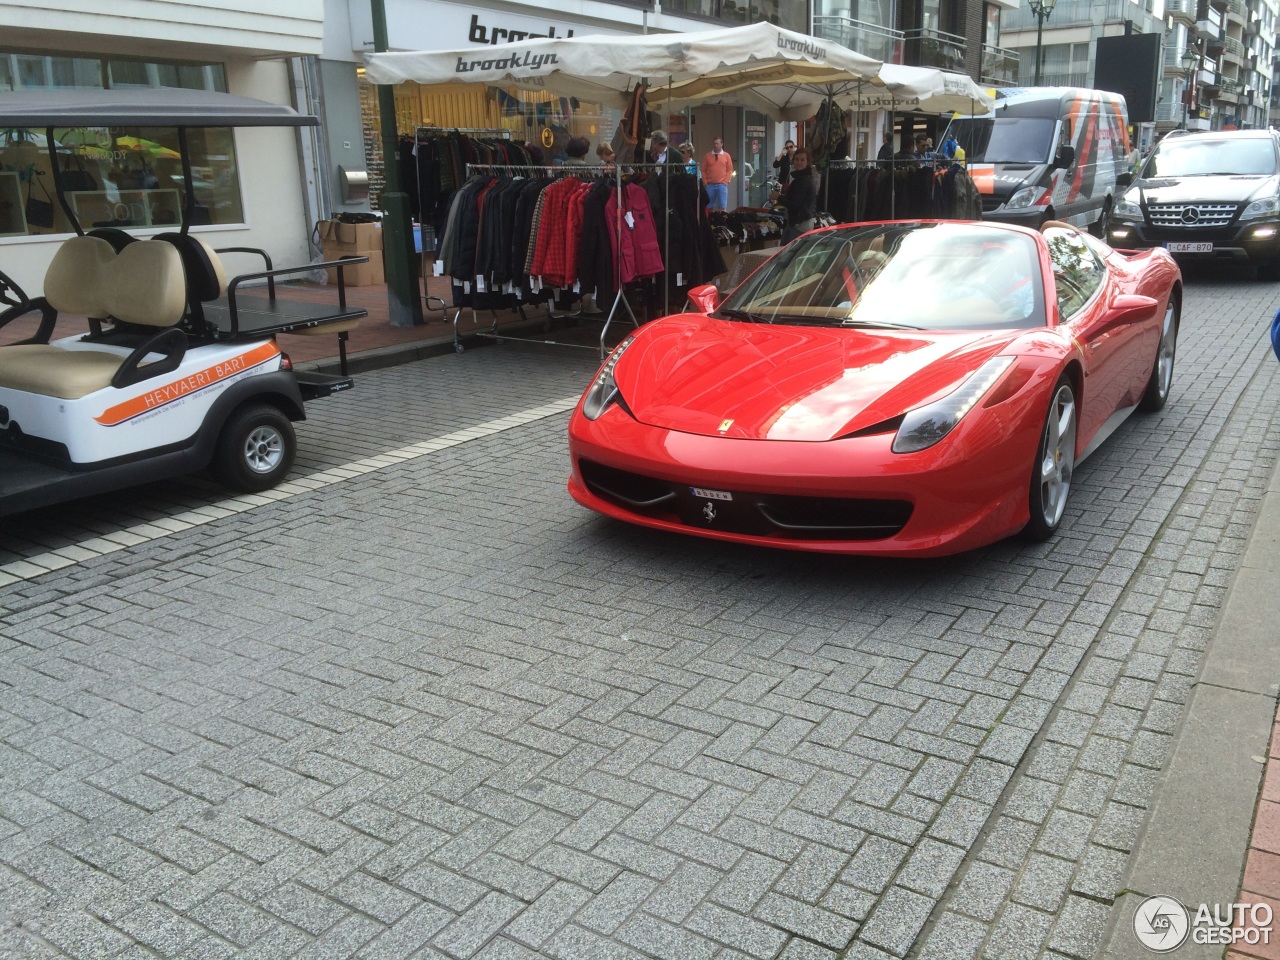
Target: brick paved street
426,706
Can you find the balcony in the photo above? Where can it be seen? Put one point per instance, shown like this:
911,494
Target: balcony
1232,47
999,66
1236,8
879,43
1183,10
933,48
1078,78
1068,13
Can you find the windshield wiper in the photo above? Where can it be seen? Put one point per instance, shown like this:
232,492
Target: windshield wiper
878,325
733,314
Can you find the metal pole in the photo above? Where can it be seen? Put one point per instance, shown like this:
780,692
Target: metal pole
404,299
1039,44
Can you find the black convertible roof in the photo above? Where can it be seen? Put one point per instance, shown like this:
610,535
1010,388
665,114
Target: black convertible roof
150,107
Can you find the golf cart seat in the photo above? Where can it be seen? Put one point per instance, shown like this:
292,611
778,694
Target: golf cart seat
143,286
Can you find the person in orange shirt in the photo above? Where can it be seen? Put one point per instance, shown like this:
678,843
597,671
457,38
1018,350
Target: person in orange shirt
717,171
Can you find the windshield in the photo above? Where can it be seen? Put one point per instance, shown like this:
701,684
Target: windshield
919,276
1005,139
1189,157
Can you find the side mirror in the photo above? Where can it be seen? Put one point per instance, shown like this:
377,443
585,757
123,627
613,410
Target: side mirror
1066,156
1131,308
1124,179
705,298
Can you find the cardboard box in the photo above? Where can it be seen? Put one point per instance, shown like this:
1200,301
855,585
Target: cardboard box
357,274
356,236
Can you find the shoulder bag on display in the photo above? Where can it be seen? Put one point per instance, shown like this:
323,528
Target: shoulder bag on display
76,177
39,212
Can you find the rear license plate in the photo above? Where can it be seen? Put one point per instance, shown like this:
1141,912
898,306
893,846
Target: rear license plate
1189,247
710,494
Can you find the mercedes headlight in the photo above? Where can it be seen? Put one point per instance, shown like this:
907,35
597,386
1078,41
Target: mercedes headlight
1269,207
603,391
1023,198
924,426
1127,209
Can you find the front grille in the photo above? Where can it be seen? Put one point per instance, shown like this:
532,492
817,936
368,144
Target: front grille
990,203
756,514
1191,216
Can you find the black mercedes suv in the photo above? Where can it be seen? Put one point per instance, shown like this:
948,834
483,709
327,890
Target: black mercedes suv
1206,195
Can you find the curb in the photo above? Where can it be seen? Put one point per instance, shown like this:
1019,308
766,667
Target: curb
1196,838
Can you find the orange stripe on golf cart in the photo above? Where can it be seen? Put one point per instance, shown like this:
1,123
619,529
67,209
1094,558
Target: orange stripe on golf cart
177,389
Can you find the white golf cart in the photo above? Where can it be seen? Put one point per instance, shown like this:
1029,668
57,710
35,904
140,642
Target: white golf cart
178,369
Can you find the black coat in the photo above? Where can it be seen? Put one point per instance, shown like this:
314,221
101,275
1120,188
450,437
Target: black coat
801,196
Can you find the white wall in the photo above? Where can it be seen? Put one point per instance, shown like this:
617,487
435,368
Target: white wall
254,27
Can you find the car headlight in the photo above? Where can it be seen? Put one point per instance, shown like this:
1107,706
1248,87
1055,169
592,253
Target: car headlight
1128,209
1023,198
1269,207
604,389
924,426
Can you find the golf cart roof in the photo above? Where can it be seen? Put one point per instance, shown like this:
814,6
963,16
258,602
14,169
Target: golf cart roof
150,107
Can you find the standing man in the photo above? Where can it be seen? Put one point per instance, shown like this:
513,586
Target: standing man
717,171
658,148
885,156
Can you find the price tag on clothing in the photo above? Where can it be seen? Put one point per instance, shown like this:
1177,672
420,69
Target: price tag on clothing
479,283
679,279
631,220
577,287
466,286
438,268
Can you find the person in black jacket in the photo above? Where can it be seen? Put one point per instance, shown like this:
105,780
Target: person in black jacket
783,163
800,198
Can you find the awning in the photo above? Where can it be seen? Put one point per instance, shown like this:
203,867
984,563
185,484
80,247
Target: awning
606,68
151,107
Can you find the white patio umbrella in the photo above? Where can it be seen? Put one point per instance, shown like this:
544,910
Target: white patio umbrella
894,87
605,68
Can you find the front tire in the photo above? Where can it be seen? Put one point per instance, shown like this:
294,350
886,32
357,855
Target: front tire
1055,465
1157,393
256,448
1103,222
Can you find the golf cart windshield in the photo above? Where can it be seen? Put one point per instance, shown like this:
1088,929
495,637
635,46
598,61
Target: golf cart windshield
73,160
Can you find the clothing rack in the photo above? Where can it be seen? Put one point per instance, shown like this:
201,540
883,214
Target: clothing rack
423,133
553,172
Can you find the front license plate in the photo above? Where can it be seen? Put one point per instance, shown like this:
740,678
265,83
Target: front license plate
1189,247
710,494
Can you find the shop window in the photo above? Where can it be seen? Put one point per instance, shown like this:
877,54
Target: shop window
127,177
28,71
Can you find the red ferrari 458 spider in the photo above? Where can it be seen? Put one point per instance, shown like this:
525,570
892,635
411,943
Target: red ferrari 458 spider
916,388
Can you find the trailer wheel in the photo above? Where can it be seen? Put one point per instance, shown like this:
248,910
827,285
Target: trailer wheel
255,449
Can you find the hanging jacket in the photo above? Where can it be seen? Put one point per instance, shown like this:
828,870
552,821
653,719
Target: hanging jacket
635,241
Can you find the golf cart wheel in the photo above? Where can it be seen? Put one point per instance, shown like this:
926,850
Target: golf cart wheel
256,448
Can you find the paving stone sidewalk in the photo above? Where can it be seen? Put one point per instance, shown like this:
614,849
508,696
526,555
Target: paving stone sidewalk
439,710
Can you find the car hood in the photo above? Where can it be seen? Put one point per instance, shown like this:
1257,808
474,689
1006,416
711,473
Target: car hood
1204,189
696,374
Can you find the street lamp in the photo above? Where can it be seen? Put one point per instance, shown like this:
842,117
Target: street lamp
1042,9
1189,59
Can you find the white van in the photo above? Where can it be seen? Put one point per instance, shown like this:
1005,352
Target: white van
1048,153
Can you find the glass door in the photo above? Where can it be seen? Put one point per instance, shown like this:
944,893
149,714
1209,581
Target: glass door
756,154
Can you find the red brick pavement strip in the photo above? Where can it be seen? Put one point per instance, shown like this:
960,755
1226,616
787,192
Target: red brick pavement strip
1261,883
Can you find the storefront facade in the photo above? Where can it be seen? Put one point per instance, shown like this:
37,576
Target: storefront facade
350,104
250,183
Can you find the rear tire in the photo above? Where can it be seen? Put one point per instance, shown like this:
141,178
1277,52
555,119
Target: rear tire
1054,466
1157,393
256,448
